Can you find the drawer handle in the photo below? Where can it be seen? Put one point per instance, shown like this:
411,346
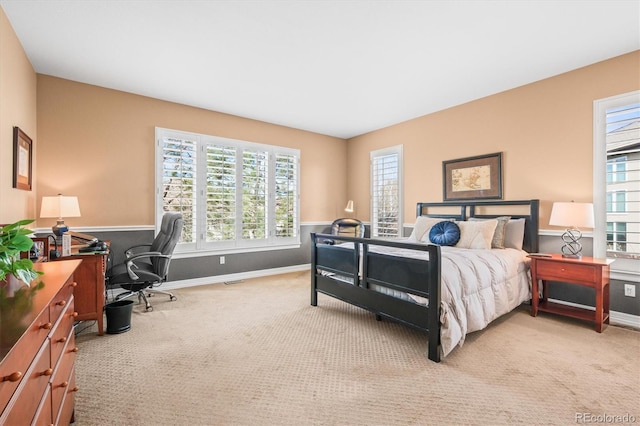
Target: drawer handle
74,389
75,314
74,349
47,372
13,377
64,384
46,326
62,340
61,303
73,284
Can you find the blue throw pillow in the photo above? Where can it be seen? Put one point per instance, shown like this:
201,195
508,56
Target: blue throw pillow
445,233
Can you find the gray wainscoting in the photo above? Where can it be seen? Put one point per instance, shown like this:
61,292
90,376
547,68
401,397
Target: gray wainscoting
209,266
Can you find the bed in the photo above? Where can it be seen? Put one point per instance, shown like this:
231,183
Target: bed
447,291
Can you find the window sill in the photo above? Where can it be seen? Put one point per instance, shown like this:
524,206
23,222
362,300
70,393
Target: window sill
186,254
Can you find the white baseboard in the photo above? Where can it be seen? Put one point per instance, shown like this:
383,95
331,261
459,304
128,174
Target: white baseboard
619,318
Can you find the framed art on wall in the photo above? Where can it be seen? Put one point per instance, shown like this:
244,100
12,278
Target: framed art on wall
22,160
472,178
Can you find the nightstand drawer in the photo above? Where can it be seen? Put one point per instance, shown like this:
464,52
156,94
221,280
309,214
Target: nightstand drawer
554,271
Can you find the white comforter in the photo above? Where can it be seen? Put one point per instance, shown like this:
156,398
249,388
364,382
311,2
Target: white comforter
478,286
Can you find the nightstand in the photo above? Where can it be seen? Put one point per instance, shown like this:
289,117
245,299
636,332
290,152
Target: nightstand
586,271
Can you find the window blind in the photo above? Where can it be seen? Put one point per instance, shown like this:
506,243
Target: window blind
386,192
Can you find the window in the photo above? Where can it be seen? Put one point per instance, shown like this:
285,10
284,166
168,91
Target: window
232,194
617,180
616,202
616,236
386,192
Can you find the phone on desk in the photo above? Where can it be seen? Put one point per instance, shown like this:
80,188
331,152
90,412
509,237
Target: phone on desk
94,246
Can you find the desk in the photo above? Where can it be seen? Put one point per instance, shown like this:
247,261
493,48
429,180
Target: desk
90,292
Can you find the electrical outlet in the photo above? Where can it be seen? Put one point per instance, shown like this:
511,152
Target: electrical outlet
222,261
630,290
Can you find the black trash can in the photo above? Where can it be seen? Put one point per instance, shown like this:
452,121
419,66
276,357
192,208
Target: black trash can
118,316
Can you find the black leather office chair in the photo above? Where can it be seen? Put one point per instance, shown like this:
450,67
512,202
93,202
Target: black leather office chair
147,265
348,227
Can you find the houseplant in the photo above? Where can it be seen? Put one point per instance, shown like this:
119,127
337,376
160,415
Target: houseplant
16,276
14,239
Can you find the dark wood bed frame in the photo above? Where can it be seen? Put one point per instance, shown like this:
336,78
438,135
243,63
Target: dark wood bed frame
365,267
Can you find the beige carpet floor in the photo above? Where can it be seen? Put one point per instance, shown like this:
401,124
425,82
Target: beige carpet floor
256,353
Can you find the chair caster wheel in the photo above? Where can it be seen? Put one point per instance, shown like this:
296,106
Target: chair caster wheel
173,298
149,308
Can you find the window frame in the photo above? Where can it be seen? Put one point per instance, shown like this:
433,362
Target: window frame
398,150
238,245
622,268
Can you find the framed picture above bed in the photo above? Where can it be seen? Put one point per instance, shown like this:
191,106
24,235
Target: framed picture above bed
472,178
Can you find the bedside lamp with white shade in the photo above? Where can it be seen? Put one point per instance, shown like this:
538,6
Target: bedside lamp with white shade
59,207
573,216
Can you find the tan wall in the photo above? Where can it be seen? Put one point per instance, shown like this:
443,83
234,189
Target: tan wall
544,130
98,144
17,108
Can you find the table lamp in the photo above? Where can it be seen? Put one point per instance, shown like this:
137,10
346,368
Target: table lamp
60,206
573,216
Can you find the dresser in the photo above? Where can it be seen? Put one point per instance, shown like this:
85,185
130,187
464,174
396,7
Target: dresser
37,349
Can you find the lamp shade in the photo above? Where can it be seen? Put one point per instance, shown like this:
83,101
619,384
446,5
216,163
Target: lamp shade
349,208
60,206
576,215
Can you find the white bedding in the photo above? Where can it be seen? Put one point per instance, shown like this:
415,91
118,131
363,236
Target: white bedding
478,286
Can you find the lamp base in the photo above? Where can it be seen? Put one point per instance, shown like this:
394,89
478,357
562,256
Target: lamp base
572,248
59,228
572,256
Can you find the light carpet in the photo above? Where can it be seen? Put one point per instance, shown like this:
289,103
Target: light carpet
257,353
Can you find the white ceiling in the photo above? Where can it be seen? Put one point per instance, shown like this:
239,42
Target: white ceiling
340,68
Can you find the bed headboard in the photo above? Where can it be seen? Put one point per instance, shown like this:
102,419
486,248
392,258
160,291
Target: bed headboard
462,210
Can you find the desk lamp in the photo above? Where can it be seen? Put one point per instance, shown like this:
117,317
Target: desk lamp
572,215
60,206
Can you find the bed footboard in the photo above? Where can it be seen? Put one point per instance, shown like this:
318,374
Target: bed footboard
355,269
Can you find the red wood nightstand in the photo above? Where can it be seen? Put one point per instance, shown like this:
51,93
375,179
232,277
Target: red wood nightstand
586,271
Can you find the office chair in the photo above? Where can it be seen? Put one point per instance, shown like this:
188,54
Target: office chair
142,270
348,227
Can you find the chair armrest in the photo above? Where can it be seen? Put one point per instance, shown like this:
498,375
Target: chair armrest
131,250
131,265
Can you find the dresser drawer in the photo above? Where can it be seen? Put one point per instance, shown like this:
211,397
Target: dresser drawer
584,274
24,403
15,364
43,414
60,381
65,413
59,302
61,331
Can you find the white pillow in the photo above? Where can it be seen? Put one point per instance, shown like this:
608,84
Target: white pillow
514,234
499,233
422,227
476,235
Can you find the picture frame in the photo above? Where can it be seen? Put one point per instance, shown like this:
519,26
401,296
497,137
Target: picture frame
22,160
473,178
